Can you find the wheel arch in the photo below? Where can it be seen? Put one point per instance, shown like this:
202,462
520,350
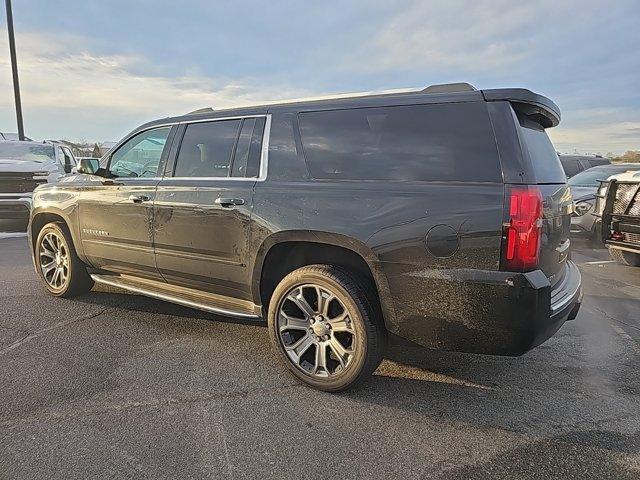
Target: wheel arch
39,218
283,252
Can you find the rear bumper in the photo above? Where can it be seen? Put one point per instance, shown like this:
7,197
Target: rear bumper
628,227
16,207
487,312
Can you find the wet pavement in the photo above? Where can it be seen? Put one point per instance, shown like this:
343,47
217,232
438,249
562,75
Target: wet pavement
114,385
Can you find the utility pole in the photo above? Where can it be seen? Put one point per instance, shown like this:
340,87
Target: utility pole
14,70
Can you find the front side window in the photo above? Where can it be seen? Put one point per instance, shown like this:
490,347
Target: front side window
206,149
140,155
439,142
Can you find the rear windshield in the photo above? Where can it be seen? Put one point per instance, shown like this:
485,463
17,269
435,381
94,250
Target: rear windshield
544,158
438,142
588,178
591,177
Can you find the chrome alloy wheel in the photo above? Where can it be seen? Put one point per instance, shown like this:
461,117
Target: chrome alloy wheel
316,330
54,260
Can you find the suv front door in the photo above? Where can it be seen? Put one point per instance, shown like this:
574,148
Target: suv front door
115,215
202,209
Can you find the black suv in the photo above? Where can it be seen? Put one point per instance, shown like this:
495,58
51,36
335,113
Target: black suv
441,216
574,164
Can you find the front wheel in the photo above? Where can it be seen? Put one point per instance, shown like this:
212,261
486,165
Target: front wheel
324,327
625,258
62,272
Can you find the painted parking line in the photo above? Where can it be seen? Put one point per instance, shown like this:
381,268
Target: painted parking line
12,234
599,262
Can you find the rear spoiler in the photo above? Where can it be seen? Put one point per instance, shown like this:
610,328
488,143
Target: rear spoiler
537,107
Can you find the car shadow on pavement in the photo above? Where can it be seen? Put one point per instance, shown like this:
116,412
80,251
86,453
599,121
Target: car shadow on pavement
140,303
538,395
527,395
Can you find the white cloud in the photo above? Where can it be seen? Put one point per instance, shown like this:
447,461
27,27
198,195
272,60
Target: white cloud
597,130
456,35
59,73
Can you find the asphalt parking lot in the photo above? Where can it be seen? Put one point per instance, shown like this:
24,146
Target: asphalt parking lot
114,385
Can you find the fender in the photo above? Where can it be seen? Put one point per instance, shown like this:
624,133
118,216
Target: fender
326,238
65,207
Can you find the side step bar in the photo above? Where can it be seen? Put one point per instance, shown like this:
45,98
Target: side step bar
146,287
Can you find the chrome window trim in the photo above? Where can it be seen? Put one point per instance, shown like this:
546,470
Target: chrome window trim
264,154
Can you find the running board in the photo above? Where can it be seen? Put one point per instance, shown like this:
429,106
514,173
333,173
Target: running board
181,296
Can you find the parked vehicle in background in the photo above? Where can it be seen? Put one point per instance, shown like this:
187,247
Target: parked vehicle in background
11,136
574,164
584,187
339,221
25,165
620,203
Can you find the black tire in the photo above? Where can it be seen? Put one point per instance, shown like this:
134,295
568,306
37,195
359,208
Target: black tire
629,259
78,281
365,321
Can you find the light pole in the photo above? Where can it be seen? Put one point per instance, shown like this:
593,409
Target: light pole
14,70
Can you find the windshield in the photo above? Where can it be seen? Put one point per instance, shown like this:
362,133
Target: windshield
27,152
591,177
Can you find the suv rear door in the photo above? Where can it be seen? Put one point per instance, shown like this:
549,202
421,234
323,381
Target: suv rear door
203,204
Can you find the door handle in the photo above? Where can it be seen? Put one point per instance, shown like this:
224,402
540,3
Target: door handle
139,198
229,202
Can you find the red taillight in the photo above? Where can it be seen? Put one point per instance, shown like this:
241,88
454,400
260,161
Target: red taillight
523,228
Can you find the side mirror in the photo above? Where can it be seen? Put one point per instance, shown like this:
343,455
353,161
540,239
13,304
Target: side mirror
88,165
67,167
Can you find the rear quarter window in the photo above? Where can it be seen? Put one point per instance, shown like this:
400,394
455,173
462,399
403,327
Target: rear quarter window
436,142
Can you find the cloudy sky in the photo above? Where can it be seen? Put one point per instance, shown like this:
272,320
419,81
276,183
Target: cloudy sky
95,69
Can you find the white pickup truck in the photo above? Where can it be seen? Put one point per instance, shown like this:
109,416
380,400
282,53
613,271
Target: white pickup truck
618,202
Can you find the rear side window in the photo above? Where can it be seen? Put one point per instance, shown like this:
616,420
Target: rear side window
441,142
246,160
206,148
544,158
570,166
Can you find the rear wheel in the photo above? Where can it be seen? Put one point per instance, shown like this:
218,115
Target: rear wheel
62,272
625,258
324,328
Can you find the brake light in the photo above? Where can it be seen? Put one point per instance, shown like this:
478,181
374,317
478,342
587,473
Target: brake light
523,229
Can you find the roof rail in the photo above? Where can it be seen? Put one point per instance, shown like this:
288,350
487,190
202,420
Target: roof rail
202,110
450,88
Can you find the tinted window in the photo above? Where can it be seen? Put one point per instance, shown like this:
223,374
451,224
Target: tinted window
255,148
206,149
140,155
544,158
594,162
241,157
442,142
570,166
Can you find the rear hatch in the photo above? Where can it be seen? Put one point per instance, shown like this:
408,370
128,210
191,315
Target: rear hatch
549,179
